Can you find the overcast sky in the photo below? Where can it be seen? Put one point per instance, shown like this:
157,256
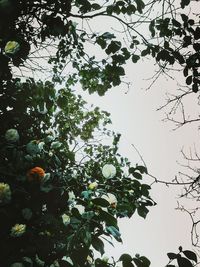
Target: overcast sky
134,115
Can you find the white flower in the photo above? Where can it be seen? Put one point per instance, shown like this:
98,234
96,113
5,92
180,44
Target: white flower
12,47
80,208
55,145
12,135
5,193
66,219
71,196
108,171
18,230
111,199
93,186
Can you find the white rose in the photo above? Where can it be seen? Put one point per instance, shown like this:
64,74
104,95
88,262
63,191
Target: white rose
111,199
80,208
5,193
12,135
12,47
66,219
18,230
108,171
71,196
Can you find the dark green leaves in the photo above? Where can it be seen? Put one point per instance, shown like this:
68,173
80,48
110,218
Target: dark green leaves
108,218
184,3
100,202
135,58
113,47
98,244
189,80
172,256
114,232
126,260
190,255
182,261
142,211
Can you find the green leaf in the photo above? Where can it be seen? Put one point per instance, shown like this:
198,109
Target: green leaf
172,256
108,218
145,189
146,262
190,255
142,211
135,58
100,202
108,35
88,215
125,257
114,232
137,175
183,262
189,80
98,244
184,3
142,169
113,47
140,5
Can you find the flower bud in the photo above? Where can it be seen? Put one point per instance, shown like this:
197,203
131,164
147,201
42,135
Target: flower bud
93,186
11,48
12,135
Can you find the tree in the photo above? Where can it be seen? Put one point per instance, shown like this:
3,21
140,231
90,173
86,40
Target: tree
61,188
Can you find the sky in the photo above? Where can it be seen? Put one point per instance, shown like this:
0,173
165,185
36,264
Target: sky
134,115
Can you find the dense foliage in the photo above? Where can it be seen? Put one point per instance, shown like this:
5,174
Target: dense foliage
63,30
62,188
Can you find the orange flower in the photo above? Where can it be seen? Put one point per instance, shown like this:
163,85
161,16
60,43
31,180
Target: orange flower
35,174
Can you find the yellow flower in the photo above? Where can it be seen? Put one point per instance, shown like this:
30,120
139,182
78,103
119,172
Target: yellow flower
93,186
18,230
12,47
5,193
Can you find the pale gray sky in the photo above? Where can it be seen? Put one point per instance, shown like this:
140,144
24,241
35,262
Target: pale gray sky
134,115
